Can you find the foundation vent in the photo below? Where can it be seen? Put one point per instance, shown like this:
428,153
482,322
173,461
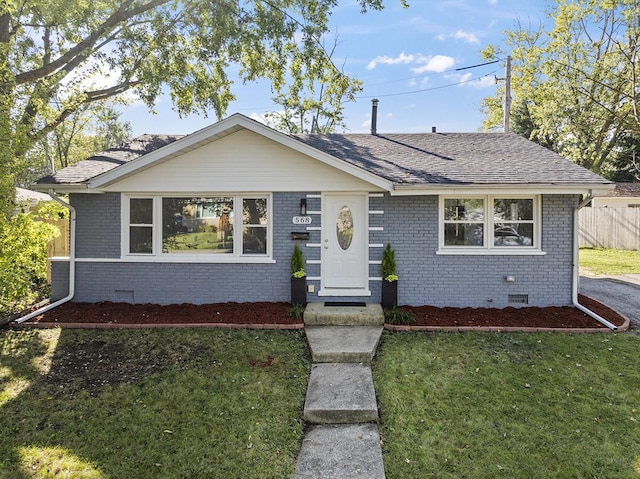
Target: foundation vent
519,298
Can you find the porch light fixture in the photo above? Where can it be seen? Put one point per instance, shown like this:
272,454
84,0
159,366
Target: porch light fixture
303,207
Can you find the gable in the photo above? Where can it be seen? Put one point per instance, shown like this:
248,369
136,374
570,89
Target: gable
241,161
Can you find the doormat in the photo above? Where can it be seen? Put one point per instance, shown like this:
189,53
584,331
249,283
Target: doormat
348,304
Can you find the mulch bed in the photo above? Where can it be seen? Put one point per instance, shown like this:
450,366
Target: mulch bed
266,313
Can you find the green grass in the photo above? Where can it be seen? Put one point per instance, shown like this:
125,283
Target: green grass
151,403
610,261
509,405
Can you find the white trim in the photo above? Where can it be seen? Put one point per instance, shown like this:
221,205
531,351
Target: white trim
232,124
157,256
195,259
363,255
344,292
500,189
316,196
489,249
490,252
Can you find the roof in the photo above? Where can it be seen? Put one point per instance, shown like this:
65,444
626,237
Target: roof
28,196
624,190
107,160
454,158
418,160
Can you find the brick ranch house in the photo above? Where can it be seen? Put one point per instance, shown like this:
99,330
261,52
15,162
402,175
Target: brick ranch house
475,219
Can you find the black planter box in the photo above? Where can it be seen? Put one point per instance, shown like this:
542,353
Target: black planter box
389,294
299,291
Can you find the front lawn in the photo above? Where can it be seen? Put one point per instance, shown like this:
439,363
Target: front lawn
151,403
493,405
609,261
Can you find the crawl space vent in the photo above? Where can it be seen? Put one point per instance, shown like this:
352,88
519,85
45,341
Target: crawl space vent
519,298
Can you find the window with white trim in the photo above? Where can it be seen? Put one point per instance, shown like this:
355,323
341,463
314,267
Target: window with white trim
488,222
197,226
140,225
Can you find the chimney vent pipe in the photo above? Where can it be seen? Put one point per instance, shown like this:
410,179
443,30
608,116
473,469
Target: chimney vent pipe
433,129
374,117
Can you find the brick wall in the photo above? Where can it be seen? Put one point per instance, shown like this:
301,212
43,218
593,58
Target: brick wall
409,223
97,225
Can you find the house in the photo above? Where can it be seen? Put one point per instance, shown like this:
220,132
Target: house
623,195
476,219
28,200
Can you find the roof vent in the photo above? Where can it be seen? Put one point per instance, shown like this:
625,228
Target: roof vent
374,116
433,129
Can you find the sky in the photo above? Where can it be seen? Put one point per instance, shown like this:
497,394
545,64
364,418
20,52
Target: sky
414,61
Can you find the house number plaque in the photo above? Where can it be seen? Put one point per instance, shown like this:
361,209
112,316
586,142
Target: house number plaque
302,220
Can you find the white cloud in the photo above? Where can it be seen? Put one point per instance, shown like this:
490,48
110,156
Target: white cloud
403,58
466,80
435,64
466,37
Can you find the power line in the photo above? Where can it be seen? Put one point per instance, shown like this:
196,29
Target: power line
429,89
426,75
478,65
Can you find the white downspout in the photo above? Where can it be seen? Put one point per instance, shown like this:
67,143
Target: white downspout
576,278
72,268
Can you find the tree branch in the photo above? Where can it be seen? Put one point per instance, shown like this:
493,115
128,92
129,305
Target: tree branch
80,49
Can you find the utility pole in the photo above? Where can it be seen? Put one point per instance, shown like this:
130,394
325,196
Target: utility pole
507,95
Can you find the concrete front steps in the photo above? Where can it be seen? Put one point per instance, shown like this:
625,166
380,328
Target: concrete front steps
347,334
340,404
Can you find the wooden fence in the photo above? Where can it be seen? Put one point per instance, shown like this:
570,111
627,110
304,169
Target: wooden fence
617,228
58,246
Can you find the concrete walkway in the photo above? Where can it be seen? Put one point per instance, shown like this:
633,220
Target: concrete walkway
621,293
342,439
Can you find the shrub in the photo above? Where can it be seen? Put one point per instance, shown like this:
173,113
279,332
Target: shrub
23,257
296,311
297,263
388,264
397,316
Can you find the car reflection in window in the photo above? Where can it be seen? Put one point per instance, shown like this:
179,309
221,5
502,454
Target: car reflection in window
508,236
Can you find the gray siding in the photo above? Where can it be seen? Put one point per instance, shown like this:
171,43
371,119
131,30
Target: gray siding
409,223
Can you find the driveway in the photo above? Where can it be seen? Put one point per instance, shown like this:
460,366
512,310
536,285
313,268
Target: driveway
621,293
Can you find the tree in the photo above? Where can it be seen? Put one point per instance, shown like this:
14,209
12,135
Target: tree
58,55
317,104
92,128
575,86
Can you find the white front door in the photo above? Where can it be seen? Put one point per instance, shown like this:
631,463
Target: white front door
345,266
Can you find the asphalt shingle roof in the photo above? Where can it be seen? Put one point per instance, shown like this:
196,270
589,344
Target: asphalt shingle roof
625,190
109,159
453,158
404,159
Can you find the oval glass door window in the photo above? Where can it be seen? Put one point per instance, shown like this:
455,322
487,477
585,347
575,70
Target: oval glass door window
344,227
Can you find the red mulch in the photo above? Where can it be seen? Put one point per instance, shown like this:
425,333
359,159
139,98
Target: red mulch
277,313
529,317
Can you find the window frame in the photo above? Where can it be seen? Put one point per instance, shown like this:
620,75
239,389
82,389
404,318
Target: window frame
157,255
488,247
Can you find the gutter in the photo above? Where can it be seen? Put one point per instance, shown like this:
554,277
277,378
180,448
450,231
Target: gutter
72,269
576,277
